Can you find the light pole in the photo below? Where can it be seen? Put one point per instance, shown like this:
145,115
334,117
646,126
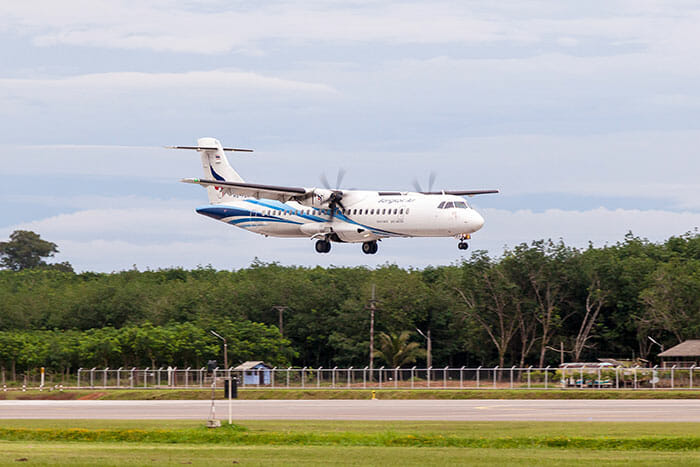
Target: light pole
225,348
372,308
280,309
429,347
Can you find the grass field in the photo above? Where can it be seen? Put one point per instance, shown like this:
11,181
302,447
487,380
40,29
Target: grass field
261,394
92,442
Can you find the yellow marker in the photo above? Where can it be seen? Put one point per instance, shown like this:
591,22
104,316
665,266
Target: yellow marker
374,395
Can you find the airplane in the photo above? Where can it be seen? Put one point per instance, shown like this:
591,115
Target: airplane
329,215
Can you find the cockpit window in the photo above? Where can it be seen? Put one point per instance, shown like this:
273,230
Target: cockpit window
449,205
441,205
460,204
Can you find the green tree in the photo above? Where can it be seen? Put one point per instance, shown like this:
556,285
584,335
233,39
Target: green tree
25,250
396,351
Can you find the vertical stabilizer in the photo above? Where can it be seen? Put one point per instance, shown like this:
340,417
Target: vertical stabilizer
216,167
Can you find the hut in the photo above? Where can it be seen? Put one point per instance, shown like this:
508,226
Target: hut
254,373
684,355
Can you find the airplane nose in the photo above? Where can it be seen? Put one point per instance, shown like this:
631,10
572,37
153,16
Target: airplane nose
477,220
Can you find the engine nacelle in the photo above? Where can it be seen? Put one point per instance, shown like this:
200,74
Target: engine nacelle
320,197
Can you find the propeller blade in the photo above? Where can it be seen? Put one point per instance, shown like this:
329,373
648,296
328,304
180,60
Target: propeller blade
431,180
324,181
416,185
339,178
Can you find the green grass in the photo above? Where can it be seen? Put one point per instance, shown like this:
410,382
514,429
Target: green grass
160,442
500,435
290,394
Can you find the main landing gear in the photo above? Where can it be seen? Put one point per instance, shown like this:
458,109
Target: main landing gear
323,246
463,245
370,248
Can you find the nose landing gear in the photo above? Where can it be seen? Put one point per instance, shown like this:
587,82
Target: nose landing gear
463,245
369,248
323,246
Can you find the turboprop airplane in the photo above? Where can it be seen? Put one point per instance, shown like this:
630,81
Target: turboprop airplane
330,215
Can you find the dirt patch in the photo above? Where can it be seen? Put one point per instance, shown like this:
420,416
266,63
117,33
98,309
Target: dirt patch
92,396
48,396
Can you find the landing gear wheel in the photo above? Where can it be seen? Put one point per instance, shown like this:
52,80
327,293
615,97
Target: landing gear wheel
323,246
369,248
462,245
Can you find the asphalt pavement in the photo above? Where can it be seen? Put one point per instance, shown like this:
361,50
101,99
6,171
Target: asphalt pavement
456,410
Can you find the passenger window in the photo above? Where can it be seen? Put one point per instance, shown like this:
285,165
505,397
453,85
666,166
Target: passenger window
383,211
401,211
406,210
371,211
395,211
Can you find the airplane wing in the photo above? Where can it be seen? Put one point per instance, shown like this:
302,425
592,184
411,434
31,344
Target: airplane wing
253,190
459,192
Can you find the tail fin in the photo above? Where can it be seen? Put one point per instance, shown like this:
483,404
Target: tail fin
216,167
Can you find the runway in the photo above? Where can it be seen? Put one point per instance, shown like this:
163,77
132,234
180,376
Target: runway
447,410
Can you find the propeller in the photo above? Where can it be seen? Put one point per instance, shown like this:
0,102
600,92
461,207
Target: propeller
336,197
431,181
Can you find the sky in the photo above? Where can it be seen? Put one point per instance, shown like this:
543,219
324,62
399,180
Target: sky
586,115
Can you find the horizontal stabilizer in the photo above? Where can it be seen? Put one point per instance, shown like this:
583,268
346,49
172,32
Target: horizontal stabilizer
203,148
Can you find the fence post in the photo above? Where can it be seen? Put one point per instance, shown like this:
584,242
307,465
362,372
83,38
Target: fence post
201,376
133,373
145,377
672,374
461,378
511,376
119,373
444,378
477,376
92,377
272,377
653,374
303,371
104,377
617,377
690,373
430,368
333,377
318,377
635,376
187,372
79,370
364,377
529,370
495,370
581,373
546,376
396,377
349,377
413,371
381,370
289,370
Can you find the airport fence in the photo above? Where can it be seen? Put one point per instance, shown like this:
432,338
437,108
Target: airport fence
379,378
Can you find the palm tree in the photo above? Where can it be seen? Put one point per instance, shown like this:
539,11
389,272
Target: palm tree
396,351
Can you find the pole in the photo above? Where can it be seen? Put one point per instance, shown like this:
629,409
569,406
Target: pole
230,390
280,309
561,352
226,356
372,307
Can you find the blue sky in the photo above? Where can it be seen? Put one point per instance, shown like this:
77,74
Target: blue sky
586,116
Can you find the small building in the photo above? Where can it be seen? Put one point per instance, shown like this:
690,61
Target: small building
254,373
684,355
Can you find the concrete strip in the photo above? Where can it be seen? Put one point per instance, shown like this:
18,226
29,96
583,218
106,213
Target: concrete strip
456,410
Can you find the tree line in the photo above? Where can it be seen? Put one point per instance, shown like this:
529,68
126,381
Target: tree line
517,309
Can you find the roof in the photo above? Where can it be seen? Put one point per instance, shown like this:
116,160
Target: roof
251,365
689,348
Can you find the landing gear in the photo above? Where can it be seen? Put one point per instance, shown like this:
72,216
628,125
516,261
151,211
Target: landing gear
369,248
323,246
463,245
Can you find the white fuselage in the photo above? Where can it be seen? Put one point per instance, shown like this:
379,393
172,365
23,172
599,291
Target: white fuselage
366,216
